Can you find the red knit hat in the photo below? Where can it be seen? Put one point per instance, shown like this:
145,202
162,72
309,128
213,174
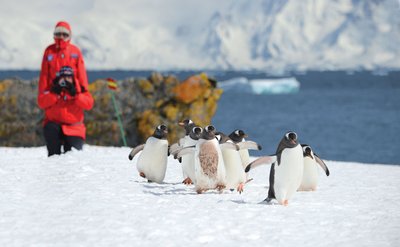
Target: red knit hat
63,27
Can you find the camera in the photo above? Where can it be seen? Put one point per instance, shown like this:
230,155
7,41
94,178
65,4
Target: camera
62,83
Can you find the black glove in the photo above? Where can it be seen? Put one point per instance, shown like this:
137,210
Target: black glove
56,88
70,87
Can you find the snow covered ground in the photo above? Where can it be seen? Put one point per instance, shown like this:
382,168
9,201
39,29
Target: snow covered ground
96,198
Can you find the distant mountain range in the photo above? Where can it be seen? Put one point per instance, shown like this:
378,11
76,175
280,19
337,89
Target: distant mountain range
259,34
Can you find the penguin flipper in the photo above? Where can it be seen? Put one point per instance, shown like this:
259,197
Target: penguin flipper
229,145
176,152
183,151
322,164
249,145
181,141
174,148
136,150
260,161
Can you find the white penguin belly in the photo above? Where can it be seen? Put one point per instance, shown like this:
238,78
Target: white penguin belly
188,161
310,175
234,170
289,173
153,159
245,157
208,177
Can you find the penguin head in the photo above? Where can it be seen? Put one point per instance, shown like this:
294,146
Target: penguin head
218,136
188,124
196,133
209,132
238,135
291,139
307,151
221,137
161,132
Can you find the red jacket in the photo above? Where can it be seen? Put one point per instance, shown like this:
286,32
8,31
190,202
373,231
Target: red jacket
64,108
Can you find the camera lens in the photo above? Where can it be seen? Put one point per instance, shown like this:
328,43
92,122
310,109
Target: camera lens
62,83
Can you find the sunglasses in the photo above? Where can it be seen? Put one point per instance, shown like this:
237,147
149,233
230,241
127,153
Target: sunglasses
65,35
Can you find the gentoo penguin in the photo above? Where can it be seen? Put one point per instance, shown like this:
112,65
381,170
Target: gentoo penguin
235,175
192,136
190,139
152,161
286,170
237,136
208,163
310,174
188,125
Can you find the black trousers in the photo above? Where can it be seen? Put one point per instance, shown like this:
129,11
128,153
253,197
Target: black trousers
55,138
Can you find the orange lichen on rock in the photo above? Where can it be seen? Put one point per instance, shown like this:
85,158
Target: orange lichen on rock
143,103
191,89
148,120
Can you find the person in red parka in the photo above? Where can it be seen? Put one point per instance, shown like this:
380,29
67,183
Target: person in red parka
63,93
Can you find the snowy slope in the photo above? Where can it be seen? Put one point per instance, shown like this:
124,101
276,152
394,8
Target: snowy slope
309,34
261,34
96,198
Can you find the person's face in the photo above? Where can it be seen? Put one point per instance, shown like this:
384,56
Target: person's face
68,78
61,35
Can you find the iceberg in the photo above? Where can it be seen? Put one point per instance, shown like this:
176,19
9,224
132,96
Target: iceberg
261,86
238,84
275,86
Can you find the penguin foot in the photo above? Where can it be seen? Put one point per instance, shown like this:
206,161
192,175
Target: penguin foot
285,203
187,181
220,187
200,191
142,175
240,188
270,201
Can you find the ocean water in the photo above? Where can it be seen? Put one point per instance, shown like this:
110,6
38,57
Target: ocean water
344,116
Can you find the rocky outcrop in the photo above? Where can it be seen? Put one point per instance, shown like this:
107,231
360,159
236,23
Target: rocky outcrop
144,103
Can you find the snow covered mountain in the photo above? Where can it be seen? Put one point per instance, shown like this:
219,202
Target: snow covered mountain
306,34
261,34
